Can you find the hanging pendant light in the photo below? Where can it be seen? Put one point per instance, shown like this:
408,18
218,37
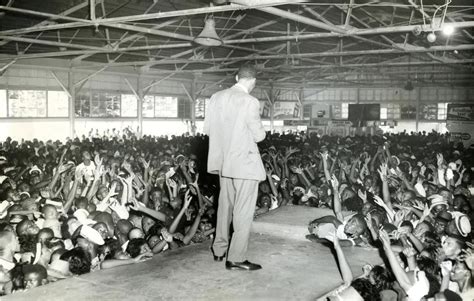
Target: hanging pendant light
208,36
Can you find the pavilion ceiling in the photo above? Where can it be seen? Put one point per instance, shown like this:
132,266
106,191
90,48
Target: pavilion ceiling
289,41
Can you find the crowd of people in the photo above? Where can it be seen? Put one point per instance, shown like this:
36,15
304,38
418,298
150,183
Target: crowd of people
74,207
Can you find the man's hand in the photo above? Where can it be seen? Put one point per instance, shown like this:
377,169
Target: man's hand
439,160
143,257
296,170
324,155
290,151
383,236
171,183
335,183
135,205
78,173
166,235
146,164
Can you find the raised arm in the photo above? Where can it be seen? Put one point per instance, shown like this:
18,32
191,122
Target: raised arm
337,199
177,219
346,271
397,270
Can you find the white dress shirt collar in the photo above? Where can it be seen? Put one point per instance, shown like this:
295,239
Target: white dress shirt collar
242,87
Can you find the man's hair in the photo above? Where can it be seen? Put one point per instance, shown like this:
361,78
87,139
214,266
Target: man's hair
247,71
382,278
134,246
79,261
47,206
35,269
21,226
365,289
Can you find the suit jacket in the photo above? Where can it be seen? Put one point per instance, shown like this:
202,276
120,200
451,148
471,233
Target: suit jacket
234,128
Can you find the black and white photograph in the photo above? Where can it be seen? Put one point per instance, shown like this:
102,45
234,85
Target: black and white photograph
236,150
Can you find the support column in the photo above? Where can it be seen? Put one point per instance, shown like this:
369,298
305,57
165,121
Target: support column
141,95
193,106
418,96
301,101
72,103
272,108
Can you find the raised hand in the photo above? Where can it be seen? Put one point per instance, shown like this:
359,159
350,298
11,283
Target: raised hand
171,183
63,167
367,160
362,195
97,160
439,160
378,200
334,183
383,236
135,205
78,173
296,170
446,267
383,171
112,192
409,252
268,169
324,155
166,235
422,170
146,164
130,179
187,199
61,160
126,165
468,256
99,169
284,183
290,151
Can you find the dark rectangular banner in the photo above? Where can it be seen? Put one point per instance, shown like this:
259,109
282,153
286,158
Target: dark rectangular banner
460,112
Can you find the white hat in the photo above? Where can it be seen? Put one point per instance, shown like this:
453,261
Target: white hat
437,199
8,169
92,235
35,168
463,224
81,215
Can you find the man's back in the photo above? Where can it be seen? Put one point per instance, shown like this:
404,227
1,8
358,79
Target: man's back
233,125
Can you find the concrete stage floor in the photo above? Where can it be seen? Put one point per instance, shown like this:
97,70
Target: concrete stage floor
293,269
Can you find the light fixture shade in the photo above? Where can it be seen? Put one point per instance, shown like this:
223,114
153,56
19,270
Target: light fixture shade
208,36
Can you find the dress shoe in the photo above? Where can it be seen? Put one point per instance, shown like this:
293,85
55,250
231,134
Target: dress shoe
219,258
246,265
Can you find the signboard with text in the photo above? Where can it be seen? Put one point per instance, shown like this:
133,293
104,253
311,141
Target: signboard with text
460,112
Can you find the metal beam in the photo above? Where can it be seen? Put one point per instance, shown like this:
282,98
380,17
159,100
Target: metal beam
61,84
92,10
151,31
313,67
48,43
64,13
132,88
133,18
300,55
302,19
89,76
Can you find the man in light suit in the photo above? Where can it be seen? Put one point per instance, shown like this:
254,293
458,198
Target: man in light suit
234,128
